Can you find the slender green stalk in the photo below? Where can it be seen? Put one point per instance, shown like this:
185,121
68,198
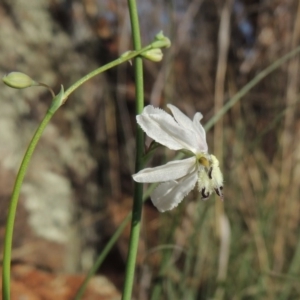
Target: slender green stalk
138,187
57,102
13,207
110,65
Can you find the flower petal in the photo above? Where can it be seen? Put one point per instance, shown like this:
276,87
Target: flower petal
195,125
170,171
150,109
200,133
169,194
181,118
162,127
154,130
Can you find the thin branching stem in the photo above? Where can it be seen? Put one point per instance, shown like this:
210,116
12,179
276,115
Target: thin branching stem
138,187
6,270
13,207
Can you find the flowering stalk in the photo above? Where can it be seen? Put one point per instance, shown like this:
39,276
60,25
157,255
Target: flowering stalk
127,56
56,102
138,188
13,207
20,80
179,177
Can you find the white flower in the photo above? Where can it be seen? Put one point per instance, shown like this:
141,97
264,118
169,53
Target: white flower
179,177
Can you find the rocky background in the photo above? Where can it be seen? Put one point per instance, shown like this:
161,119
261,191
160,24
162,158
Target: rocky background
78,187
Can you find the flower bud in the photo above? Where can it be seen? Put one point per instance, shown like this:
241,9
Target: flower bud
153,54
160,36
161,41
18,80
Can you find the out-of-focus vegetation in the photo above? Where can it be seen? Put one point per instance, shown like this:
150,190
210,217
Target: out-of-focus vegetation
245,248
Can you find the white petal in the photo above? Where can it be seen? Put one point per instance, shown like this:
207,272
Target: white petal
181,118
194,125
170,171
169,194
149,109
200,133
166,131
154,130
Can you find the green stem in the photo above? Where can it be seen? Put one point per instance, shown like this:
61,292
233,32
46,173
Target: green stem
110,65
13,207
57,101
24,165
138,187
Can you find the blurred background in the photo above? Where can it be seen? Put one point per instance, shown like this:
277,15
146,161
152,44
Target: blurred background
78,188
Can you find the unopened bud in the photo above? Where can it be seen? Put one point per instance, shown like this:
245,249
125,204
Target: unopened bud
161,41
160,36
153,54
18,80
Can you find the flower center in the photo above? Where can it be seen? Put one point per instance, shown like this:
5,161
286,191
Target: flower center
202,160
210,178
